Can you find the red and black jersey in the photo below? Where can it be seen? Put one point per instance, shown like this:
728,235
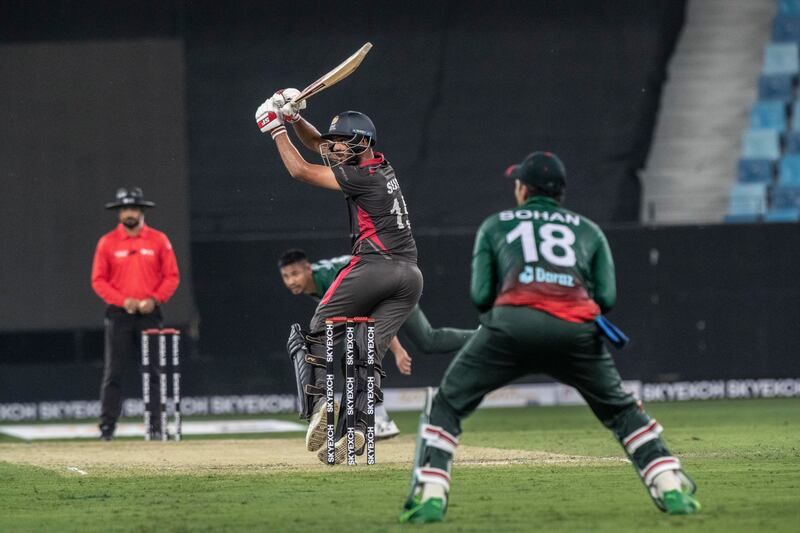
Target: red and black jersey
140,266
379,220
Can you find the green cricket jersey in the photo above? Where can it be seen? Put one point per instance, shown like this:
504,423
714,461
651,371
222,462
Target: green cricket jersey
324,272
543,256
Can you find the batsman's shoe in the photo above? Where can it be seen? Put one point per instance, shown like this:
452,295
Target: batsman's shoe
107,432
386,429
315,436
679,502
431,510
340,448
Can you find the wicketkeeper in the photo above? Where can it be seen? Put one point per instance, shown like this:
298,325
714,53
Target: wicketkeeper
381,280
541,276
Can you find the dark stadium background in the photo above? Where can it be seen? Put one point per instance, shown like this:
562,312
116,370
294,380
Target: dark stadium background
96,95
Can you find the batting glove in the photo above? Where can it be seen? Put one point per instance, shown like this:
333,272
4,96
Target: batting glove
269,119
283,101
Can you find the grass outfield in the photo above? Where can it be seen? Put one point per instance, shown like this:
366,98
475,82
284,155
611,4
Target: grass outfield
548,469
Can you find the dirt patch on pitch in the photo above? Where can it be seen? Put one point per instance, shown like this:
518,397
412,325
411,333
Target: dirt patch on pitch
236,456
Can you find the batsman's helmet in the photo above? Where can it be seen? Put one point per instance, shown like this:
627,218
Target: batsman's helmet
352,123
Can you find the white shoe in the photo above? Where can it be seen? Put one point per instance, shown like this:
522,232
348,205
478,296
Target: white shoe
386,429
316,434
340,448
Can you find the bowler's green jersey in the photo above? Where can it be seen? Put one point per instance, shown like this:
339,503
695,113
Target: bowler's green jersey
543,256
324,272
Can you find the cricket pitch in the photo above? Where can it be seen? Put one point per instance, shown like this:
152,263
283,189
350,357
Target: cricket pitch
232,456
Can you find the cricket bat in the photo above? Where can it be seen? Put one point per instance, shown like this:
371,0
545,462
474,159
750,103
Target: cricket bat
340,72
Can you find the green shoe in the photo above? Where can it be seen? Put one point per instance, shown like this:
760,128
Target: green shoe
431,510
677,502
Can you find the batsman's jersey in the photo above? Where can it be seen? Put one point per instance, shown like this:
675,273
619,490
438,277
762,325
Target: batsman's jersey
546,257
379,222
324,272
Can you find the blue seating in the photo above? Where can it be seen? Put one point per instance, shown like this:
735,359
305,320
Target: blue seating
788,7
761,144
782,215
776,87
748,199
768,114
786,28
781,58
789,170
754,171
792,142
796,116
786,197
741,219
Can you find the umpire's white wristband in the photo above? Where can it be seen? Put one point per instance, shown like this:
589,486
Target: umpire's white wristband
277,131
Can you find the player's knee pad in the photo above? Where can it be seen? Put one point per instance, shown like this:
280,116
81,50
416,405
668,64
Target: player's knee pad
368,396
433,456
439,447
641,436
364,383
660,465
309,373
650,457
310,386
433,459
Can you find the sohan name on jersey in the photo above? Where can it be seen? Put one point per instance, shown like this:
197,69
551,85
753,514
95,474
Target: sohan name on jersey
547,216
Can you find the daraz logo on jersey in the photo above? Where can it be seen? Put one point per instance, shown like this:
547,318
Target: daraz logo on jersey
530,274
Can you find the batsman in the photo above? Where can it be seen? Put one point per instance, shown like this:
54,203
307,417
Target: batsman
541,276
314,279
381,280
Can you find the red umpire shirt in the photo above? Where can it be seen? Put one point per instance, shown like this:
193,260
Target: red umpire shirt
137,267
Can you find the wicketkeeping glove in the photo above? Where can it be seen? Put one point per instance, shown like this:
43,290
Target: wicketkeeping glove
283,102
269,119
297,340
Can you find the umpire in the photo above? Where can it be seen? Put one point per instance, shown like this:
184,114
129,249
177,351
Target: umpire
134,272
541,275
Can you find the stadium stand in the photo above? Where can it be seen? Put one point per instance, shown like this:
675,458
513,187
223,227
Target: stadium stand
772,141
782,215
789,173
776,87
792,142
786,25
781,58
789,7
761,143
784,196
769,114
712,84
795,117
748,199
786,28
755,170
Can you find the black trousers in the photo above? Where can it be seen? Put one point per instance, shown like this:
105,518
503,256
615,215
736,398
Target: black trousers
122,346
386,290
